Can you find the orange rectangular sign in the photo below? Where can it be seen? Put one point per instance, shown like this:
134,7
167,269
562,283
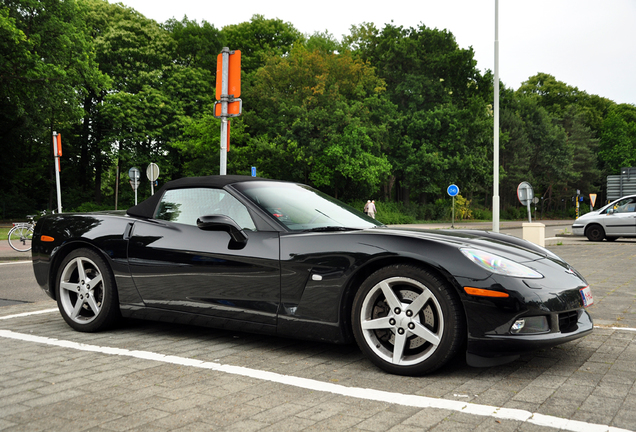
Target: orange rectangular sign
234,75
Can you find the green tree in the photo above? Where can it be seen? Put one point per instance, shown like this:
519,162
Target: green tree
198,45
47,65
618,139
312,108
441,131
259,39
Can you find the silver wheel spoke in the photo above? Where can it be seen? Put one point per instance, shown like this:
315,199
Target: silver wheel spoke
68,286
80,269
390,296
398,347
376,324
419,302
95,281
426,334
93,304
77,309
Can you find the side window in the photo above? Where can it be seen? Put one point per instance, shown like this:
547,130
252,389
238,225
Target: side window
627,205
187,205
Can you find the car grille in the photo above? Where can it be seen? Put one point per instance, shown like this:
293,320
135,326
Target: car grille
567,321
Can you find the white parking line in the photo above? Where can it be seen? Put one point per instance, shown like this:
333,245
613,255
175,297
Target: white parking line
16,262
20,315
310,384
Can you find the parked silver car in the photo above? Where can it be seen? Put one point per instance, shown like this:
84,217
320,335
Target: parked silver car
616,219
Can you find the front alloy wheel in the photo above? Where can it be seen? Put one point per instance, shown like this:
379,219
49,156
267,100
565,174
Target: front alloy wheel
86,293
407,321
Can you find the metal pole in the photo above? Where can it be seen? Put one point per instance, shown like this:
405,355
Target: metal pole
224,101
57,173
117,185
495,178
152,182
453,221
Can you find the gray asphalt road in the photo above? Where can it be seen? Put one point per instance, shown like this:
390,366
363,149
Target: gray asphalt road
17,283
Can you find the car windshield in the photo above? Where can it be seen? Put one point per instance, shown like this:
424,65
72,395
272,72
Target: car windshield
302,208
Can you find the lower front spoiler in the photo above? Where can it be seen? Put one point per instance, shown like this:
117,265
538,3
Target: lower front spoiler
494,350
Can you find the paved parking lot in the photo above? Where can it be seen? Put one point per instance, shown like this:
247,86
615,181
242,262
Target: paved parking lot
158,377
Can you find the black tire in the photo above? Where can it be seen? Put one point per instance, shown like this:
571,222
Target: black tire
86,292
595,233
422,313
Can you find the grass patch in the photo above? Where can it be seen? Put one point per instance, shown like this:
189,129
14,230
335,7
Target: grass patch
4,233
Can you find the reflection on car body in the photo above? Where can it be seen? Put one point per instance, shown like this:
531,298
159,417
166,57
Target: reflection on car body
284,259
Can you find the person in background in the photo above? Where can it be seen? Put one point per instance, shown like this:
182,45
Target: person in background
366,207
371,210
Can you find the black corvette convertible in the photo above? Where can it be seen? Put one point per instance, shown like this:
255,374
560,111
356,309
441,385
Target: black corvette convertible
281,258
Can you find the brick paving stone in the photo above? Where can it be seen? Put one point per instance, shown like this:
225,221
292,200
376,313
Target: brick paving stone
135,420
298,424
321,411
597,410
592,379
277,413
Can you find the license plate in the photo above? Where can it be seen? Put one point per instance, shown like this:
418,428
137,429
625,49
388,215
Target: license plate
586,293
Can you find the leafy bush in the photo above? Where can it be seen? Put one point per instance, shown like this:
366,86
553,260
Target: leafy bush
462,208
482,214
391,213
510,213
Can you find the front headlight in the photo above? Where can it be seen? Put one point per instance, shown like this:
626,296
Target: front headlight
500,265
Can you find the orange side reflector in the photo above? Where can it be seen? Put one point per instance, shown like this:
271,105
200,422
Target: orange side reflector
46,238
484,292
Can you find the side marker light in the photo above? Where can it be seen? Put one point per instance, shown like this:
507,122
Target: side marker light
485,293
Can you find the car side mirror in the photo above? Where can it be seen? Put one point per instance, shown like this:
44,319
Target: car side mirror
224,223
610,211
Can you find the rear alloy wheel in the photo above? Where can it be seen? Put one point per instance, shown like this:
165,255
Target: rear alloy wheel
407,321
86,293
595,233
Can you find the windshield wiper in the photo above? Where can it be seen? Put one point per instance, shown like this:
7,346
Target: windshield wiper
332,228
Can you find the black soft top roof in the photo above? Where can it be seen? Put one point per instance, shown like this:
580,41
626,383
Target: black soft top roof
147,208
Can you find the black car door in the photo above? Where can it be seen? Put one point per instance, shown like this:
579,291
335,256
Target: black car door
176,265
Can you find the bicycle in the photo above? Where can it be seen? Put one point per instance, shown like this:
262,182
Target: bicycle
21,234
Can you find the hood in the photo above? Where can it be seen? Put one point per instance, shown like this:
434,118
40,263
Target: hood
504,245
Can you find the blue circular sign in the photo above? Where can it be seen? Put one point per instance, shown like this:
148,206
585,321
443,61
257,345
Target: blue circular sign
452,190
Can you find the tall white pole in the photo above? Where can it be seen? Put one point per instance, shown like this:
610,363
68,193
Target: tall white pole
495,177
225,52
57,173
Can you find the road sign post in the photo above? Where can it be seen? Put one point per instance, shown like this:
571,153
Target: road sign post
57,153
152,172
228,92
453,190
592,201
525,193
134,175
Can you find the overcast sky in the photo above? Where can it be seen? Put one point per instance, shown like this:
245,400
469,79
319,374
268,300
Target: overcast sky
589,44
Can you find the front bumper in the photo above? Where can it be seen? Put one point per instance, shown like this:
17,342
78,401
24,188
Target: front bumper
557,298
490,350
578,229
